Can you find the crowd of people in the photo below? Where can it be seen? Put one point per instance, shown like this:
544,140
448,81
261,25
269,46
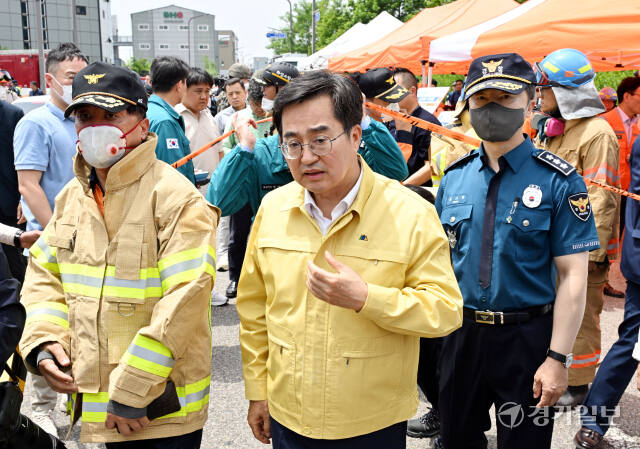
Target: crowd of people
366,255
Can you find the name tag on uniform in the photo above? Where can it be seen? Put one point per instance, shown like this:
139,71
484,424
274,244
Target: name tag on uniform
270,187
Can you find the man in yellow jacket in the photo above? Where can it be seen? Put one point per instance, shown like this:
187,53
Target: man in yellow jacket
573,131
345,270
118,286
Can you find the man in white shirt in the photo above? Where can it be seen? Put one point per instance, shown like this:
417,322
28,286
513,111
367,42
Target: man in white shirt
200,129
200,126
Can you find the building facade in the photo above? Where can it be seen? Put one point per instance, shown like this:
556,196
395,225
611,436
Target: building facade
175,31
259,63
227,50
91,18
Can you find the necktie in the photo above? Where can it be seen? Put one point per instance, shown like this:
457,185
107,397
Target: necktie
488,226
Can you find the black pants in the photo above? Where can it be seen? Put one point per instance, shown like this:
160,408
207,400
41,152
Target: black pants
189,441
484,365
428,367
239,227
392,437
17,262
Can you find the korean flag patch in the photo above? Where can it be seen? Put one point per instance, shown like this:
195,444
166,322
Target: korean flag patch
172,144
580,205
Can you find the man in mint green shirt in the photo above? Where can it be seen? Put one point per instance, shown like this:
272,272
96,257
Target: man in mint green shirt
255,112
169,84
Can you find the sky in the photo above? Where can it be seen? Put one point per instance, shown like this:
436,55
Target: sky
249,19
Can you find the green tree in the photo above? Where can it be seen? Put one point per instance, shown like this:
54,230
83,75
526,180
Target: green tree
301,28
139,65
210,66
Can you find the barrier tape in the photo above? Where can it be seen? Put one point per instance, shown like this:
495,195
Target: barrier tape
470,140
425,124
415,122
635,196
187,158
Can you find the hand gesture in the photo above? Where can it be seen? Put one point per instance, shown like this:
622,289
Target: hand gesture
550,382
57,379
345,288
259,420
243,133
125,426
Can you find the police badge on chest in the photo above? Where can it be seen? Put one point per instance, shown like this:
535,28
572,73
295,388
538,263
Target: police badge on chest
453,239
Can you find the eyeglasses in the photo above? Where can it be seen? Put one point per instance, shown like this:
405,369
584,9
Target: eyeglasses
319,145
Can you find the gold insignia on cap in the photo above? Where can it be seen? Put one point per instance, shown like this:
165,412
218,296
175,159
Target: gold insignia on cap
390,80
93,78
492,65
396,95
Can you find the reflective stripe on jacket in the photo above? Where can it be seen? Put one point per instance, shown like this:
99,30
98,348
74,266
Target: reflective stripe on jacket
127,295
591,147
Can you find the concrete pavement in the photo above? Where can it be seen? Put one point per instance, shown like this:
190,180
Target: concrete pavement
227,427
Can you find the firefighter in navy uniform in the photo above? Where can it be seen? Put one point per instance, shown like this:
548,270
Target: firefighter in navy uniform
517,218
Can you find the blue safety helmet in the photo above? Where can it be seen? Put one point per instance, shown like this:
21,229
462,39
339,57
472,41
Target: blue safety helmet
564,68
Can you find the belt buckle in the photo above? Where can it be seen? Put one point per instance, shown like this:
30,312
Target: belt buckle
488,317
128,311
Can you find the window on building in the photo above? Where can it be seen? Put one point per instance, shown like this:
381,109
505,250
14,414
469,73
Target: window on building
184,46
183,27
81,10
163,46
203,27
203,46
163,27
144,46
143,27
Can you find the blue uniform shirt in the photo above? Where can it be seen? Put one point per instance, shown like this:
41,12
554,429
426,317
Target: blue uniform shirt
542,211
45,141
172,141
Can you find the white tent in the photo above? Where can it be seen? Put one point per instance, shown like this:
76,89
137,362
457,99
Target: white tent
355,37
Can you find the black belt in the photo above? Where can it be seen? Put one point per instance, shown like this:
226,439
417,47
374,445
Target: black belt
500,318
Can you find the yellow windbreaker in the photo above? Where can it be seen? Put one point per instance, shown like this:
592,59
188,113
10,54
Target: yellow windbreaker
591,146
327,371
127,295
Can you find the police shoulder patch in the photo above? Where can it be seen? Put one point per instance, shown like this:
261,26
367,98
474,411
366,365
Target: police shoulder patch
580,205
556,162
462,160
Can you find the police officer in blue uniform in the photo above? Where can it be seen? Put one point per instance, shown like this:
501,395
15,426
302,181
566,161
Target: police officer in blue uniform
518,218
619,366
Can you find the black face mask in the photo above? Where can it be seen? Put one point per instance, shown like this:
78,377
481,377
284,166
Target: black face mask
495,123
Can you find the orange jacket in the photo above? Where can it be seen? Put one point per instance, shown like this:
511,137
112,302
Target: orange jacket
614,119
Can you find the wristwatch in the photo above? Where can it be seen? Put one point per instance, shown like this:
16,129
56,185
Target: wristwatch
16,239
566,360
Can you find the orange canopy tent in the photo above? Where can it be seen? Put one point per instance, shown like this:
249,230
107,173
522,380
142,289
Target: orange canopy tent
607,32
409,45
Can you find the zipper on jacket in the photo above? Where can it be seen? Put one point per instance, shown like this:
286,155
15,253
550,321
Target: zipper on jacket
347,361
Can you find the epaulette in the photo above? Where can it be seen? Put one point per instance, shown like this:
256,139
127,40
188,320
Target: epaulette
556,162
462,160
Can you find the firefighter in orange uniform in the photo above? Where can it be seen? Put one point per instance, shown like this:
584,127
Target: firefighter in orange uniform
572,130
